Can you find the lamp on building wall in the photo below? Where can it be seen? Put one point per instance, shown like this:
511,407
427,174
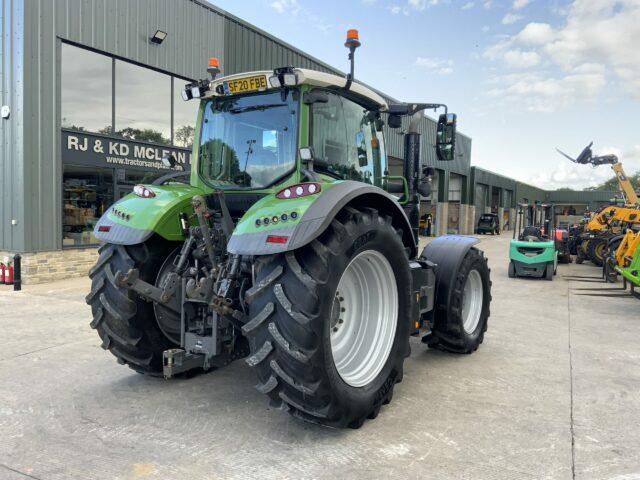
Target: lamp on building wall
158,37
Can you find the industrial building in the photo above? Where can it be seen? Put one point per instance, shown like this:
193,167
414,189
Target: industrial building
90,92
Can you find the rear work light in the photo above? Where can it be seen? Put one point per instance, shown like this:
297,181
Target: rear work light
299,190
142,191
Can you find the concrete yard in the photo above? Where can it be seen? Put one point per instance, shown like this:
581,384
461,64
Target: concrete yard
552,393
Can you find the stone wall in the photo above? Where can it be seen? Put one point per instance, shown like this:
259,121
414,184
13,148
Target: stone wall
42,267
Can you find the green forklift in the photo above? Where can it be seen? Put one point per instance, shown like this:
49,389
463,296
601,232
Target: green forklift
532,251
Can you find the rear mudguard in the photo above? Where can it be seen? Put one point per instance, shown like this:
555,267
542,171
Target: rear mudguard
447,252
135,219
313,215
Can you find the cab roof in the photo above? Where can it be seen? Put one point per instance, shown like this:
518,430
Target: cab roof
310,77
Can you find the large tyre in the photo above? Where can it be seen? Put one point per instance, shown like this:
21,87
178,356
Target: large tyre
596,248
306,305
580,252
127,324
460,326
609,263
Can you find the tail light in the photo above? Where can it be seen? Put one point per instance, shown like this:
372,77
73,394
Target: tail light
143,191
299,190
277,239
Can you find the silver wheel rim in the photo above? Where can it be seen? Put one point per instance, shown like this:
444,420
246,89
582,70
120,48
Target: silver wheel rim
364,316
472,297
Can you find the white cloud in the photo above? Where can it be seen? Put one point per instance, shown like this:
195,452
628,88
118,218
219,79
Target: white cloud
544,92
521,59
468,5
567,174
412,6
574,62
435,65
486,28
511,18
535,34
519,4
286,6
305,16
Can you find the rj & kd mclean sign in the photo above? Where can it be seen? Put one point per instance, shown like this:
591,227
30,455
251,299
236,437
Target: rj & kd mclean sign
104,151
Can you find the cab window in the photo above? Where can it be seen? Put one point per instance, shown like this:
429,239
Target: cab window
346,140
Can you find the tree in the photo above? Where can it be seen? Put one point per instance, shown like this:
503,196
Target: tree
612,183
145,135
183,136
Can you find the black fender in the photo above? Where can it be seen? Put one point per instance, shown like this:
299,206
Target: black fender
319,215
447,252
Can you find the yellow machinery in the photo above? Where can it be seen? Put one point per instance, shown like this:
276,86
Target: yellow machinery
592,241
622,250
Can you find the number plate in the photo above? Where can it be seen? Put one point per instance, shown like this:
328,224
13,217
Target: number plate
247,84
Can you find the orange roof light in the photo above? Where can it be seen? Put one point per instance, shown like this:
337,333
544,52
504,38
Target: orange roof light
353,39
214,67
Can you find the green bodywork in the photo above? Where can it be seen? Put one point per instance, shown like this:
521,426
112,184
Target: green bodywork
632,272
158,214
548,254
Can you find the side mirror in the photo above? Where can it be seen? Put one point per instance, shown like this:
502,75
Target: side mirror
315,96
394,121
446,136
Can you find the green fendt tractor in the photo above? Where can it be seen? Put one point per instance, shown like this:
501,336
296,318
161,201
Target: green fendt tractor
291,248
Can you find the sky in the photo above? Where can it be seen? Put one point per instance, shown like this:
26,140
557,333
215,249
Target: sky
524,76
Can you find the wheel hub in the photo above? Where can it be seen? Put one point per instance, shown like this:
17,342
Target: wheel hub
364,317
472,298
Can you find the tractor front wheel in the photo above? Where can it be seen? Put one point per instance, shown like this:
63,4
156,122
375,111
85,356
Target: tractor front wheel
329,322
459,327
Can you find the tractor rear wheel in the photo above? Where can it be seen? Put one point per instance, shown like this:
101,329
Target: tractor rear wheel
596,248
127,324
329,322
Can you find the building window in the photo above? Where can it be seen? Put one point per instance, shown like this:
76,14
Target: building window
455,187
88,192
143,104
85,90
